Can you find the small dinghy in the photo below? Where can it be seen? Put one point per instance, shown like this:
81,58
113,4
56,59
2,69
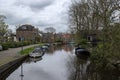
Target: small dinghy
36,53
31,59
82,53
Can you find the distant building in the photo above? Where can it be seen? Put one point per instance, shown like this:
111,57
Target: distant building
12,38
27,33
59,37
67,38
47,37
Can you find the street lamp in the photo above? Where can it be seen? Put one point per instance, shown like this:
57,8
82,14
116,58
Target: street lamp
22,38
21,75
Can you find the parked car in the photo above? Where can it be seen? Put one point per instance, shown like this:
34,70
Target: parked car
1,48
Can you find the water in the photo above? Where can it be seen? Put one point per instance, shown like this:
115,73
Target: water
52,66
60,63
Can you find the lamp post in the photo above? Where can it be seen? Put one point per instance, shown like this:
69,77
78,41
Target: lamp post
22,43
21,75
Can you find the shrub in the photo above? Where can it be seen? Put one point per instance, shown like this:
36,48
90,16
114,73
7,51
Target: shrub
5,46
14,44
83,41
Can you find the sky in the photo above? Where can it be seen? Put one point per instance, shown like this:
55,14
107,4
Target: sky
39,13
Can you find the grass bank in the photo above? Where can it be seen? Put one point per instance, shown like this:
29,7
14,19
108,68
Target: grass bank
28,50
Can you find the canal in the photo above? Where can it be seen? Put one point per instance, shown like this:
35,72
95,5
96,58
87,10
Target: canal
52,66
59,63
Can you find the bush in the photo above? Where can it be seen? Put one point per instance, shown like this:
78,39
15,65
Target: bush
19,44
14,44
5,46
83,41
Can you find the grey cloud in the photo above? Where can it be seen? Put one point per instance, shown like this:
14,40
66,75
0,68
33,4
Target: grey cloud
42,23
39,13
13,20
36,5
39,6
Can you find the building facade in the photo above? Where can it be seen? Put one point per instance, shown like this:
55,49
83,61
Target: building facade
27,33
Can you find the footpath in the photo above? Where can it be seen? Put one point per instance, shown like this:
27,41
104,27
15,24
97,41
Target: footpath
12,54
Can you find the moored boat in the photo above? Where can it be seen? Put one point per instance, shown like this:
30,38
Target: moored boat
35,59
82,53
36,53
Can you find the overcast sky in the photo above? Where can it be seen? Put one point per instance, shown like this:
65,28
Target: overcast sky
39,13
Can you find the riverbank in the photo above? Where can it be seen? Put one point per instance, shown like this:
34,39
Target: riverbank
12,54
8,68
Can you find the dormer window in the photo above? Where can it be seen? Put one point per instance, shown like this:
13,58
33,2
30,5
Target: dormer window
24,27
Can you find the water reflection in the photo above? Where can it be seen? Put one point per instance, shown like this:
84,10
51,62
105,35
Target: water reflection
31,59
77,68
60,63
52,66
21,75
66,48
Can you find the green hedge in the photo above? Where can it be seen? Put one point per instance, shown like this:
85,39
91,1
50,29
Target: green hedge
83,41
14,44
5,46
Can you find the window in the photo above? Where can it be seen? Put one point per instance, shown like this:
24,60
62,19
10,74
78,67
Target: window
24,27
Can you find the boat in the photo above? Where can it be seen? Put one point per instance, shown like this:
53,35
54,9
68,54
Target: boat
44,47
82,53
31,59
36,53
47,44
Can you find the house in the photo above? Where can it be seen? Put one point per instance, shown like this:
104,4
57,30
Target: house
12,38
8,37
27,33
47,37
58,37
67,38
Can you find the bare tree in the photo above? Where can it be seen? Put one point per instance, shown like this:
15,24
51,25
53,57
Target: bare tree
50,33
93,15
103,18
3,27
50,30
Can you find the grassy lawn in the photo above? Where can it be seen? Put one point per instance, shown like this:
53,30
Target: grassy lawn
28,50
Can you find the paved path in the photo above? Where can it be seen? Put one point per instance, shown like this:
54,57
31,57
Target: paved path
11,54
